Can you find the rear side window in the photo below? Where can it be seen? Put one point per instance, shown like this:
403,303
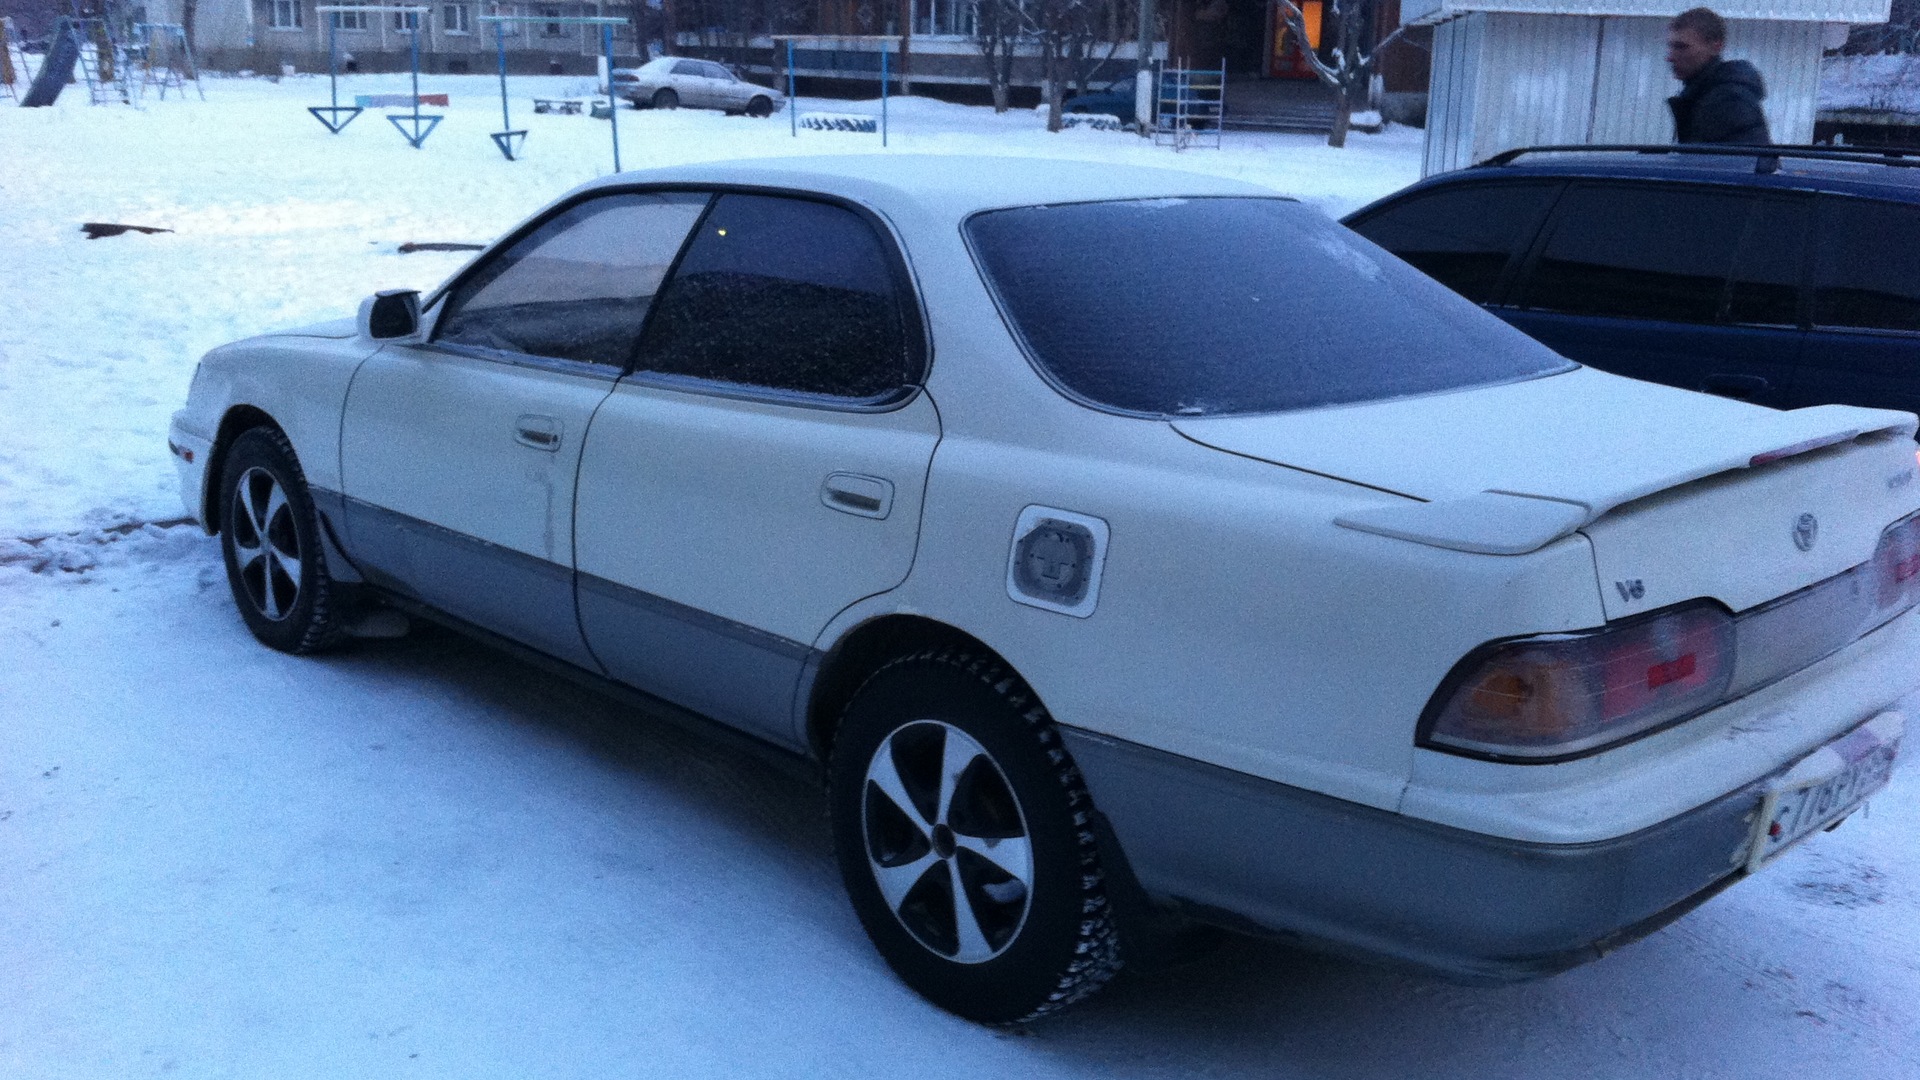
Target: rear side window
1767,270
1867,271
1218,306
785,294
1639,253
1462,236
578,286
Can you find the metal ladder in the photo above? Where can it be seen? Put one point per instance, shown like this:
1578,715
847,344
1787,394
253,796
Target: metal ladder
101,61
1191,108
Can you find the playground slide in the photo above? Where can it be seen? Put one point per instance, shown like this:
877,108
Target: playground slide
62,53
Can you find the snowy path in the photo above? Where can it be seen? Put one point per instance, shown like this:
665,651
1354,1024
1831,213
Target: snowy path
417,859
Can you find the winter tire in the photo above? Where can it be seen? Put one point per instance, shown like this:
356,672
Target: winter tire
665,99
965,838
760,107
270,538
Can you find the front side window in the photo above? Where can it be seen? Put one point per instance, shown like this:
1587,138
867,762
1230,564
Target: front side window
715,71
1462,236
1224,306
578,287
285,15
784,294
1867,273
1640,253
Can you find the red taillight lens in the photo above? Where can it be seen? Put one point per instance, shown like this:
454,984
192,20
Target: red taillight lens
1554,696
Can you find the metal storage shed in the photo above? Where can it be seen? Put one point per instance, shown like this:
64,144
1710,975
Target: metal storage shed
1510,73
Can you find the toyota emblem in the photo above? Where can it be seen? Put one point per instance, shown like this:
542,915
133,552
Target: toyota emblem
1805,530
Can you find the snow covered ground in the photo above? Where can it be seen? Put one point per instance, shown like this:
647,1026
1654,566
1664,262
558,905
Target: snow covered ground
417,859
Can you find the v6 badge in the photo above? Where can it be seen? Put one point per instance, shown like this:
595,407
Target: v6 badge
1056,559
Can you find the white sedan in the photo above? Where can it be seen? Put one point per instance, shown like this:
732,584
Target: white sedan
1120,546
670,82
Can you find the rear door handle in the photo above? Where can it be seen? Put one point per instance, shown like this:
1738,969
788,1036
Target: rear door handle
1743,387
539,432
858,494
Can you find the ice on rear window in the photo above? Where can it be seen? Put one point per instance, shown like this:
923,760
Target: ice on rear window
1224,306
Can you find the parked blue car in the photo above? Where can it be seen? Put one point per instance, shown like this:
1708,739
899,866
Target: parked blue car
1785,276
1113,99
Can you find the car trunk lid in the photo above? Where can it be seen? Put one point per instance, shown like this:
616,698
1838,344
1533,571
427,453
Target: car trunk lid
1682,494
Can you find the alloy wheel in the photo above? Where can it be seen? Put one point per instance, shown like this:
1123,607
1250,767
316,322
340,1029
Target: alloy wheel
266,543
947,841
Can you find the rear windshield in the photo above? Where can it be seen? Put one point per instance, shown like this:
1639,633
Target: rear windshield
1218,306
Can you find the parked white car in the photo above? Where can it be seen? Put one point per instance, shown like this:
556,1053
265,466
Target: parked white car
670,82
1119,544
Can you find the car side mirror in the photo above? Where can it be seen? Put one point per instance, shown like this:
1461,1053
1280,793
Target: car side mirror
390,313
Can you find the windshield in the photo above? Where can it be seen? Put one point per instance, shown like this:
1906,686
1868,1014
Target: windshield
1221,306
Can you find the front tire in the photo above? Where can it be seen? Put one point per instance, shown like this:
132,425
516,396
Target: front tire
270,539
760,107
665,99
964,835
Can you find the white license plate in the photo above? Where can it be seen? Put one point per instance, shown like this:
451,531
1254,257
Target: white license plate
1825,786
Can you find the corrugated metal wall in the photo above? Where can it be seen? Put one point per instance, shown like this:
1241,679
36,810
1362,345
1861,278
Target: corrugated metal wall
1502,81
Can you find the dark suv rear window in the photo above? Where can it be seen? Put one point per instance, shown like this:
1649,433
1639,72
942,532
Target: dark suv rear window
1217,306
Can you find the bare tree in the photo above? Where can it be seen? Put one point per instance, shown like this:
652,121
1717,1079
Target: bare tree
998,28
1354,52
1065,30
1899,34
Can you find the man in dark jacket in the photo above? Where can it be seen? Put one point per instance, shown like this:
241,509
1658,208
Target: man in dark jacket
1719,100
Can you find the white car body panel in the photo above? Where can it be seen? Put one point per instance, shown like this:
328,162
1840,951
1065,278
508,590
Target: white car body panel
394,453
716,503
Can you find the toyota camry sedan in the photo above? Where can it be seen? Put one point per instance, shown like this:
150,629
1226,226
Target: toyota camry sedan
1119,546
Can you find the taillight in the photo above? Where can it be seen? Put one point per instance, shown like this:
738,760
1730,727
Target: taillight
1554,696
1896,565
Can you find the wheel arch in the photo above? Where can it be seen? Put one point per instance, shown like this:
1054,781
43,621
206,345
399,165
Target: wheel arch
858,654
238,419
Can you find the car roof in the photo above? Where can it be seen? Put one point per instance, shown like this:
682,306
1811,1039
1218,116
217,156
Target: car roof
950,186
1830,169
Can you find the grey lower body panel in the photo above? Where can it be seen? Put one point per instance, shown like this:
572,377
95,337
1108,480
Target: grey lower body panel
513,594
1255,855
734,673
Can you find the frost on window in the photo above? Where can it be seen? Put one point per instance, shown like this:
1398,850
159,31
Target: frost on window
786,294
1218,306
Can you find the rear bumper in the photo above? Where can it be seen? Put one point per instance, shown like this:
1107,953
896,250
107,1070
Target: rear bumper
1255,855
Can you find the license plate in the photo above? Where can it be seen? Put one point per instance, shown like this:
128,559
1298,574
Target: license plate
1825,786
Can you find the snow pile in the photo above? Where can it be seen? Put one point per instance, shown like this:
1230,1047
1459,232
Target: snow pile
1882,83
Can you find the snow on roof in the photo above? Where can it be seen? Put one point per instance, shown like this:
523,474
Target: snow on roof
948,185
1418,12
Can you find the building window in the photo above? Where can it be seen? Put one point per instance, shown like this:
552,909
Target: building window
406,22
284,15
945,18
455,18
348,20
505,10
552,29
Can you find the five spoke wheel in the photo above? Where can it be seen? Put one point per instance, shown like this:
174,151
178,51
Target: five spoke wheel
947,842
266,543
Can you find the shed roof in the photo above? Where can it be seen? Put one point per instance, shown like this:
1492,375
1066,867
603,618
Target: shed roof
1418,12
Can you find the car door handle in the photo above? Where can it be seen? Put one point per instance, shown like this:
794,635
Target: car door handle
1742,387
858,494
539,432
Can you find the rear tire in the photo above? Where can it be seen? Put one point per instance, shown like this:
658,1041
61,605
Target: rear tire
665,99
270,540
983,891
